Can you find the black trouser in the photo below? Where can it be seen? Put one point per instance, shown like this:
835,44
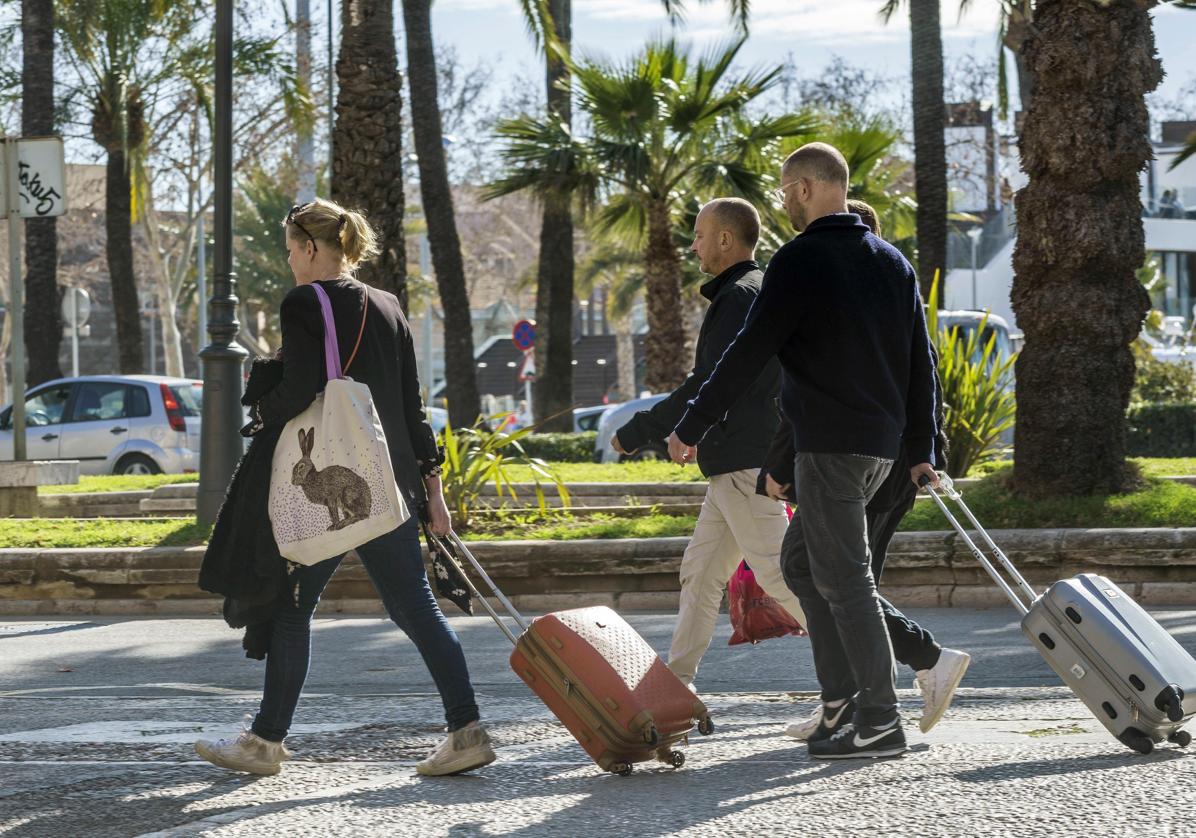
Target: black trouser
913,645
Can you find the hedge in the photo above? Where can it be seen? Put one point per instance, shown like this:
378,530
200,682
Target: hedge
1162,430
561,448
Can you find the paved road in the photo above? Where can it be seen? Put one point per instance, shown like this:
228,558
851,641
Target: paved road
97,716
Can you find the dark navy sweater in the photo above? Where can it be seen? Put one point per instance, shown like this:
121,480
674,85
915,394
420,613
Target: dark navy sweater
840,308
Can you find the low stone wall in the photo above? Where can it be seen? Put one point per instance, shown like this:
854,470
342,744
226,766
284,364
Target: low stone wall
1156,566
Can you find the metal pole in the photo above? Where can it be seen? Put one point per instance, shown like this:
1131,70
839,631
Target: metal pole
153,353
75,332
222,359
16,309
973,272
201,271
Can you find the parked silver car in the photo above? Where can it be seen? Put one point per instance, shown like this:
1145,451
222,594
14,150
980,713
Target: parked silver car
131,424
615,417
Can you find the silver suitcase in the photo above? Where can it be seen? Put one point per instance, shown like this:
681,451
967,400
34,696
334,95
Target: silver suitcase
1134,677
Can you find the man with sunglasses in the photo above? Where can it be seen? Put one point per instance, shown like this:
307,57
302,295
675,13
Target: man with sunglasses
841,310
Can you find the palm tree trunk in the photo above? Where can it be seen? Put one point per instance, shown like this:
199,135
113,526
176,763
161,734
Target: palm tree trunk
554,275
43,319
625,357
930,153
118,225
1080,240
461,384
664,347
367,159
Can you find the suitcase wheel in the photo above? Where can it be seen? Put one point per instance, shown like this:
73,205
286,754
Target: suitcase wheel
1181,738
705,726
1135,739
674,759
1171,702
623,769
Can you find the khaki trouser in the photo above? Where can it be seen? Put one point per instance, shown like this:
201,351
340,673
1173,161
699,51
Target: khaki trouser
734,522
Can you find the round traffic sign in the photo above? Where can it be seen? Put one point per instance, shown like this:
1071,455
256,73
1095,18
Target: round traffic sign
524,335
76,307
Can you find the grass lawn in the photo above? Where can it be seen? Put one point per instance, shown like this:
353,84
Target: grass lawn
149,532
117,483
1161,504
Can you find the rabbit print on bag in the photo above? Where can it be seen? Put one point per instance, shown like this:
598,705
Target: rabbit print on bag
345,494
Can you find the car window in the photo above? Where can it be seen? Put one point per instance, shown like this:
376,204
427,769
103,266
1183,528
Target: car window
139,403
46,407
189,398
99,400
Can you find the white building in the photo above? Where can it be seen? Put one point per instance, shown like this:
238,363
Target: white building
1172,240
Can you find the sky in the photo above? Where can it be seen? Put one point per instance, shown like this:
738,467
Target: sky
813,30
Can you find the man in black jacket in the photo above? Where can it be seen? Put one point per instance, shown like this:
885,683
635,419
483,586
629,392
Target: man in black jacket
841,309
734,520
938,670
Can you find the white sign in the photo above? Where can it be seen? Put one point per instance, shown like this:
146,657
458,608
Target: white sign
41,172
527,370
76,303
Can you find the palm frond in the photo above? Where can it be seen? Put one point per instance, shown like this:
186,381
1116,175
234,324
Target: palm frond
1188,150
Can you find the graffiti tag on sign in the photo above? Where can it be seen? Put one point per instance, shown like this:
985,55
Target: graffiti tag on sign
35,193
40,177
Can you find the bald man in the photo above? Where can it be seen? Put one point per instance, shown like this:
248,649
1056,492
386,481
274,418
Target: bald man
734,522
840,308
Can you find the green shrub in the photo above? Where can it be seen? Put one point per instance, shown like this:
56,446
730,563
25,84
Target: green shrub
1161,381
561,448
977,391
1162,430
479,455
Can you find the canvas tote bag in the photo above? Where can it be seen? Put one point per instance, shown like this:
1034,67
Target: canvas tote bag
332,486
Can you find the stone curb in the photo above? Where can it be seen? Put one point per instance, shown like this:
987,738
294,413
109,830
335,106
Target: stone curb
932,569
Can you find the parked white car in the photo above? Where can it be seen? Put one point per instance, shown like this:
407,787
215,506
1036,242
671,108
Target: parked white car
587,418
132,424
615,417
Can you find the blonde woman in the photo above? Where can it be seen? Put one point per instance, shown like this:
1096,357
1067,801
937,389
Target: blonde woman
325,243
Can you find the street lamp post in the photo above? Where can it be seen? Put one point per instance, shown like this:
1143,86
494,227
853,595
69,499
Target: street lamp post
974,234
222,358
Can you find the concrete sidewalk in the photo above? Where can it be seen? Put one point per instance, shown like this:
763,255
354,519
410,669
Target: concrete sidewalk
96,721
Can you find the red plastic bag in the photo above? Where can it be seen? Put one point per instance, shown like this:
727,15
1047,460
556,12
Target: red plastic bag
756,616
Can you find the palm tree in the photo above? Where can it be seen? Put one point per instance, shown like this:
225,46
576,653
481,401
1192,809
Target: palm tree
665,128
555,268
43,322
930,150
367,161
104,40
461,386
1080,240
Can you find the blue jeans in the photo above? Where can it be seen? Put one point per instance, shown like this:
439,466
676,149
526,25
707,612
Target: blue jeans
396,567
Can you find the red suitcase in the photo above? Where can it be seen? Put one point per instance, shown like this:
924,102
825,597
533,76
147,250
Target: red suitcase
599,676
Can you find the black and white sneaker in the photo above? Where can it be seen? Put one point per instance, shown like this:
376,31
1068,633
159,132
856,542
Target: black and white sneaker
861,742
831,721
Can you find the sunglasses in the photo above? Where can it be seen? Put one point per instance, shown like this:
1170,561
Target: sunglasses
295,210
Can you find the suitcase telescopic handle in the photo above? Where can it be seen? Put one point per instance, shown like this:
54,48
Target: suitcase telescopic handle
948,488
477,566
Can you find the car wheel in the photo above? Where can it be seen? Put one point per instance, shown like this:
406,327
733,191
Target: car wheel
137,464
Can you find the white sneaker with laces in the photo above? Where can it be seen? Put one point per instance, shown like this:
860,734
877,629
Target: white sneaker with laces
801,730
938,685
462,750
246,752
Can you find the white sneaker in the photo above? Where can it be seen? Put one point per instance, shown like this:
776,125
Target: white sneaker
462,750
938,685
802,730
246,752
